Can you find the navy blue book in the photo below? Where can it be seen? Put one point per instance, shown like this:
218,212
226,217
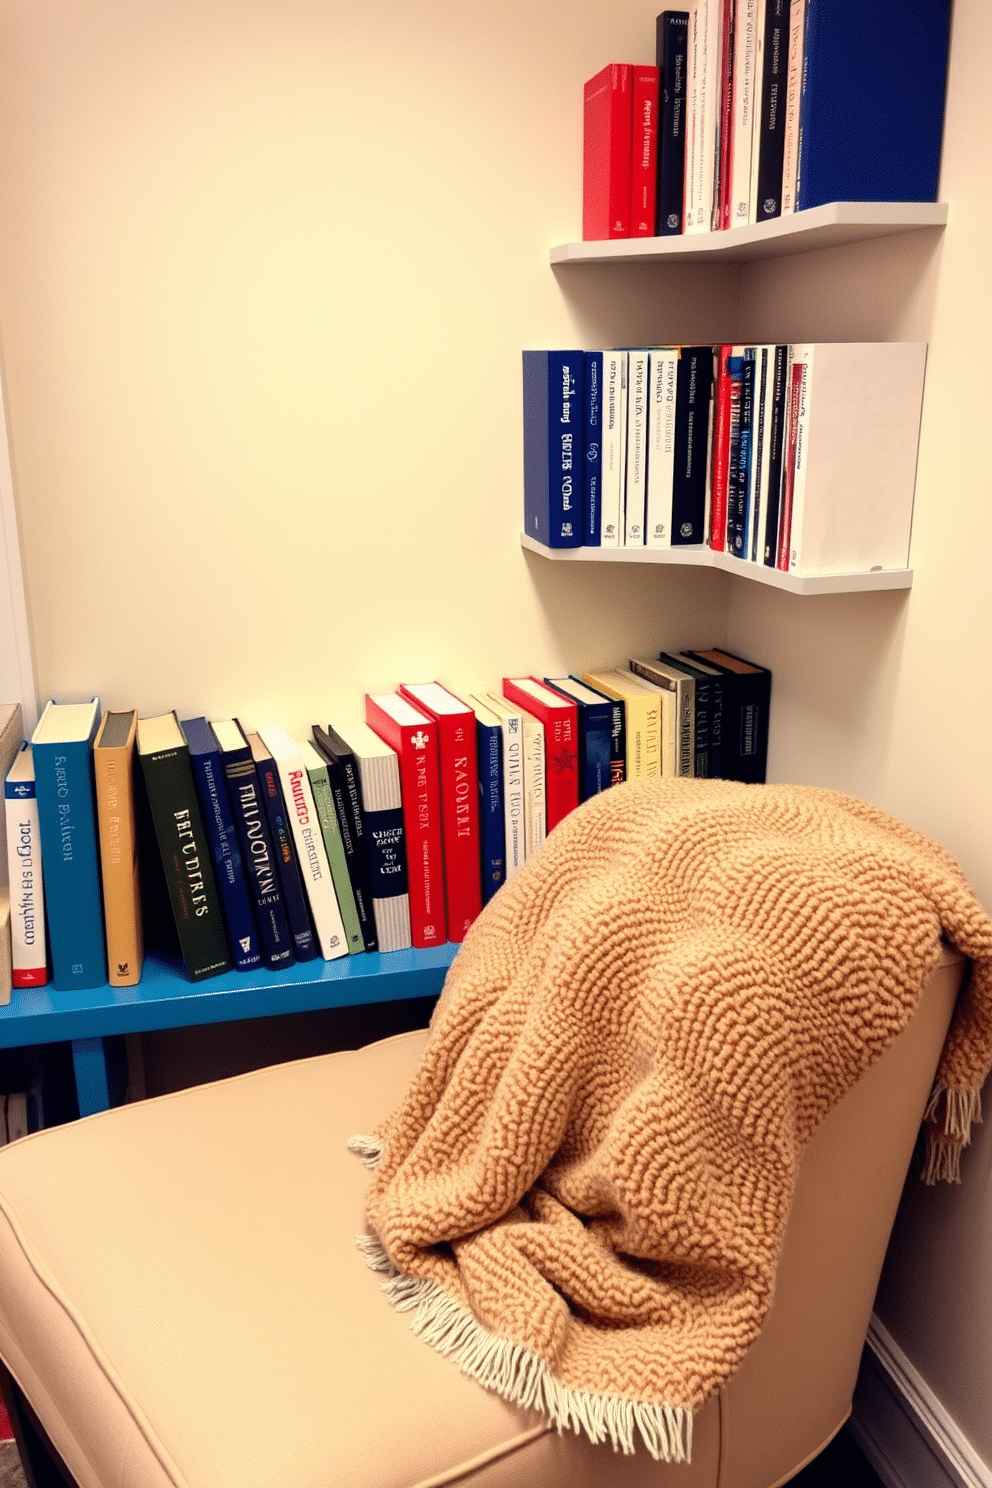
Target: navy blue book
592,444
293,893
775,444
553,420
618,732
740,459
671,42
63,767
251,820
342,772
693,393
771,116
595,719
225,847
871,115
492,806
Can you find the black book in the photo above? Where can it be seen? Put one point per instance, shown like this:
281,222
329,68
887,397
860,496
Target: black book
293,892
709,714
342,772
771,115
747,702
693,394
672,32
260,864
183,845
775,445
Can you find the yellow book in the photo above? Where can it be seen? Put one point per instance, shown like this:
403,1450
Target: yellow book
113,770
642,710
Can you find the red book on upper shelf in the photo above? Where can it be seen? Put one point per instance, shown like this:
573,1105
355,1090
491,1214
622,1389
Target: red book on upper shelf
644,151
561,741
606,147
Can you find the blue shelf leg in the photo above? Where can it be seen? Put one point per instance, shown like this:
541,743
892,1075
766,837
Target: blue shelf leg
92,1084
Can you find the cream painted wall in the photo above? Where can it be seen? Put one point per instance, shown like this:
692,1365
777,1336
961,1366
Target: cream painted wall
266,268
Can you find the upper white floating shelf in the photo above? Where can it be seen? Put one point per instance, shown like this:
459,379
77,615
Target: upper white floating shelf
828,226
755,573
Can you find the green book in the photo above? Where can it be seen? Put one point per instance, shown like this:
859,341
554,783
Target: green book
323,797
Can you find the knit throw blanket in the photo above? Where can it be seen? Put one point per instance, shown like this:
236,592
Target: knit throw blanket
583,1195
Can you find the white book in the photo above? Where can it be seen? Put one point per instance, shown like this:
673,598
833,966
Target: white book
301,811
764,389
24,875
793,98
745,96
534,775
669,720
706,136
614,444
512,730
759,70
691,111
855,455
382,810
663,366
683,687
635,488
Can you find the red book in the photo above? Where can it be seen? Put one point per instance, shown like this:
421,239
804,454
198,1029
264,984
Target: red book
561,741
644,151
606,145
414,737
459,771
721,451
726,114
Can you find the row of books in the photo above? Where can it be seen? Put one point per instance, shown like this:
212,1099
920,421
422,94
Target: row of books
260,849
800,457
758,108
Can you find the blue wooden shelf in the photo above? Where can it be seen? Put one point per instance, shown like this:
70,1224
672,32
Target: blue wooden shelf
165,999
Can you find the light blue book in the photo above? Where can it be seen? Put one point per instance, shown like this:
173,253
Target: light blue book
62,745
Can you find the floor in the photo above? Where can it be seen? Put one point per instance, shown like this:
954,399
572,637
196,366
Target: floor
840,1466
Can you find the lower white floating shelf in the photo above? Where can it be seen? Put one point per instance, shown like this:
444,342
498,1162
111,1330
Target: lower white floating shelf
703,557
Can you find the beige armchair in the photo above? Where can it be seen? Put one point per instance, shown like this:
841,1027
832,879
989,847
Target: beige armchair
182,1304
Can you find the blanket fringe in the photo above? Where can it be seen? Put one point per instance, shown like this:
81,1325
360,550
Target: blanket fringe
368,1150
950,1134
519,1376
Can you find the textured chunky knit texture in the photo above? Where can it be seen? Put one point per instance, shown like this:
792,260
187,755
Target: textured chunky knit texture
584,1192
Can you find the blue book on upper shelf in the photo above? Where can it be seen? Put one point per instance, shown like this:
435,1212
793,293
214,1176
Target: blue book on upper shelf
225,847
871,116
62,745
554,418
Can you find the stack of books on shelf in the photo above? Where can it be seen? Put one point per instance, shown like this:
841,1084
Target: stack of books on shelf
757,108
227,847
798,457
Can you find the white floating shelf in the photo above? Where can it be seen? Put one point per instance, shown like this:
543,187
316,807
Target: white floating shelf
828,226
755,573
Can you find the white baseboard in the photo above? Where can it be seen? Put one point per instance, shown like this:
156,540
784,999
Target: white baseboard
903,1429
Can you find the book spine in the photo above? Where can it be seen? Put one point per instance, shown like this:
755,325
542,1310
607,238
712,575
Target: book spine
735,389
114,789
386,849
795,384
606,157
745,54
315,871
793,91
618,742
514,820
672,40
706,128
742,461
535,811
728,87
291,883
637,448
67,820
644,150
612,466
757,490
771,122
776,442
343,776
29,962
800,459
225,851
643,719
553,421
592,440
323,800
460,820
721,451
185,856
663,369
492,823
258,856
702,764
694,383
